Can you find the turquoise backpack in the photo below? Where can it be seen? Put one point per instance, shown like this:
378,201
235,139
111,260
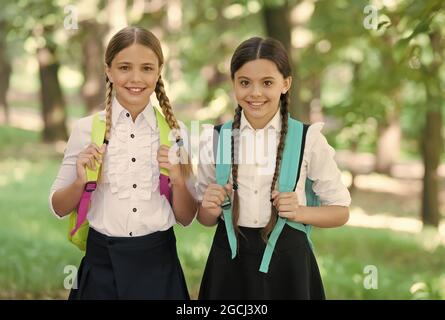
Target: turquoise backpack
287,181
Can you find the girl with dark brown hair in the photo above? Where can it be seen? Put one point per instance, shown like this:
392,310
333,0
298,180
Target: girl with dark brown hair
261,78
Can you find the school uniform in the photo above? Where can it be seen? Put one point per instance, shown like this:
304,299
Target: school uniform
131,247
293,271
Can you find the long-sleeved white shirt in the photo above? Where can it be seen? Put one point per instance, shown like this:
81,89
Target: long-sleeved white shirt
127,201
257,155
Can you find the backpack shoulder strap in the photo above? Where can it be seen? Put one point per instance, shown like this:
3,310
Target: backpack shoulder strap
164,129
303,145
164,132
97,137
291,156
216,131
223,154
312,200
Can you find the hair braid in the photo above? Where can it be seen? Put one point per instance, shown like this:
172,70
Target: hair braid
284,123
235,161
164,102
108,99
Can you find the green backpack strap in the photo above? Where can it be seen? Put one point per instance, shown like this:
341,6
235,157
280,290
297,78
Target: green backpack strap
97,136
164,132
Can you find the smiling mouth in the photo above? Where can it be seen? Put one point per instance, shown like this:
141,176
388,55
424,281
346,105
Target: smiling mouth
256,104
135,90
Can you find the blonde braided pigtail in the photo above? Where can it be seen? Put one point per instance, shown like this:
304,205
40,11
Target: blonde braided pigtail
164,102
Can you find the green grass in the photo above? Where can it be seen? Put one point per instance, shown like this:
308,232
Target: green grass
403,261
34,250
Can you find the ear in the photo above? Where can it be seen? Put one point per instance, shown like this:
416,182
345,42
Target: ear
108,73
286,84
160,69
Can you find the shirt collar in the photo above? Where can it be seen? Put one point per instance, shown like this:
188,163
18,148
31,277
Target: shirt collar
274,123
118,111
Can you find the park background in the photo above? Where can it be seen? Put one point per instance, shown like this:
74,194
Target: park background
371,70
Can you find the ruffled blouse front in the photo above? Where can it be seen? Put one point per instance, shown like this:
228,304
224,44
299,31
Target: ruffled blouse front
128,162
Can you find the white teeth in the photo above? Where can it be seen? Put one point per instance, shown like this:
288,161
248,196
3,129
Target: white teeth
256,104
135,89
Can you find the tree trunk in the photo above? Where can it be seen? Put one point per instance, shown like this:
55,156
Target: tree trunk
352,168
52,101
431,148
432,140
5,72
388,144
278,26
313,106
93,89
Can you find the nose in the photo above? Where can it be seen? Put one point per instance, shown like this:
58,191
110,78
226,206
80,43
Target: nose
136,76
256,91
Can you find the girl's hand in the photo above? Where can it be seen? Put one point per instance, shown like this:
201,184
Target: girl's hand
169,159
89,157
213,198
287,204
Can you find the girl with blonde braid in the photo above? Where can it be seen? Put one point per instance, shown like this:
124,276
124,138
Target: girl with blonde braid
131,247
251,258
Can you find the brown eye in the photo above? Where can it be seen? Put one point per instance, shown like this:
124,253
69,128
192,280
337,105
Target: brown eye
267,83
124,68
244,83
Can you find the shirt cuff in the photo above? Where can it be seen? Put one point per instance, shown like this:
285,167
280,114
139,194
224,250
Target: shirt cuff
339,199
52,208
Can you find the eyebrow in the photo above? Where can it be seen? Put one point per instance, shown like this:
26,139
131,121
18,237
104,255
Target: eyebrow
144,64
265,78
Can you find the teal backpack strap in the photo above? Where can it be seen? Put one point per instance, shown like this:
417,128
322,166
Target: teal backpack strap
312,200
286,182
223,167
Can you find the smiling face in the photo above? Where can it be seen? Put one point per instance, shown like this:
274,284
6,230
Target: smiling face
134,72
258,85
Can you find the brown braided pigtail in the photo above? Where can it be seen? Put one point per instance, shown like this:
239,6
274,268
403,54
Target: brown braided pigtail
284,99
235,161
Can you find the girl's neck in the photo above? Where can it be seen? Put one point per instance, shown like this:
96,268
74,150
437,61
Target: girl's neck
260,123
133,110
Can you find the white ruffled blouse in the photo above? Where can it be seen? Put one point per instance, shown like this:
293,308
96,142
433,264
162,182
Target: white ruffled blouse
122,173
127,201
